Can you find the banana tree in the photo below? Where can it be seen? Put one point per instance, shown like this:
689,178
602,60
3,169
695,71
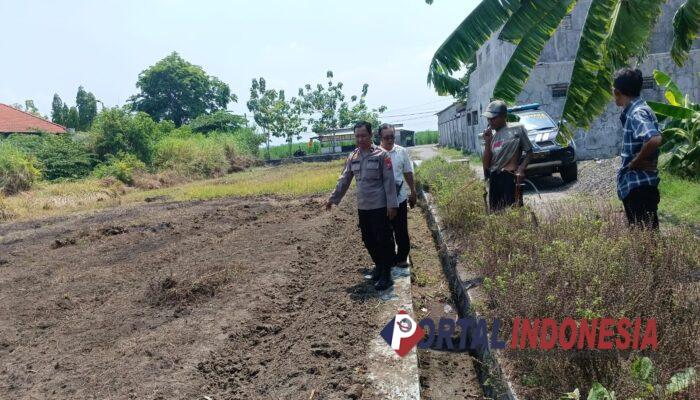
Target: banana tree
681,133
614,32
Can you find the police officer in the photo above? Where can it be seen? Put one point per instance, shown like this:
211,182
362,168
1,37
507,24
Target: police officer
376,200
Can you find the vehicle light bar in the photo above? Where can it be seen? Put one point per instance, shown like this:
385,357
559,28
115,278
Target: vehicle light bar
533,106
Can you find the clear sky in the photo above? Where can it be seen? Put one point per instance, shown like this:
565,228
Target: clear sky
54,46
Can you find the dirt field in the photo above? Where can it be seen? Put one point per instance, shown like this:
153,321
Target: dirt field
230,299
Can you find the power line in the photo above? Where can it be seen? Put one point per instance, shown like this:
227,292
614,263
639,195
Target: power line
420,105
406,115
412,119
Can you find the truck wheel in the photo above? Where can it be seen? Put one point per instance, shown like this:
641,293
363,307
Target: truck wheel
569,173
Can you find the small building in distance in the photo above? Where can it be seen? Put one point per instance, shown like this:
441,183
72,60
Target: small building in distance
343,140
13,120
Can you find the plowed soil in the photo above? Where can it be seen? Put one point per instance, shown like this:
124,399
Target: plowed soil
228,299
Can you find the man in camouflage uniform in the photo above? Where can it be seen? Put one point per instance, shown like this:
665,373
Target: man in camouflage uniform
376,200
507,151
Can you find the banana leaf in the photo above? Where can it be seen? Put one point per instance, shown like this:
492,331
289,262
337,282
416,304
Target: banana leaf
630,25
672,111
543,20
686,25
465,41
673,93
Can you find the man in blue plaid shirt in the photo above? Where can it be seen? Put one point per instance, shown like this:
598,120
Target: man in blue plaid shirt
638,177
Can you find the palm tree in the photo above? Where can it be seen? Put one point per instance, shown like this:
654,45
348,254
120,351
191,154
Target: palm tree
614,32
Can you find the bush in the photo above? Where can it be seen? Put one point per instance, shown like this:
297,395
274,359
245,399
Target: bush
122,167
247,141
120,132
458,193
17,170
6,213
582,261
195,156
57,156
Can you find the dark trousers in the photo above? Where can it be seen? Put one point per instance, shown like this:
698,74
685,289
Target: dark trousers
642,205
377,236
501,190
400,226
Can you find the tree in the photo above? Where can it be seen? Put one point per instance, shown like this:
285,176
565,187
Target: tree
57,112
221,121
328,109
261,104
86,104
177,90
614,32
28,107
72,118
121,133
288,119
357,110
274,114
31,108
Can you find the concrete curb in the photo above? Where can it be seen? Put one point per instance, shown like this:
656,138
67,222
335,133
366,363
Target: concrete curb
491,377
391,376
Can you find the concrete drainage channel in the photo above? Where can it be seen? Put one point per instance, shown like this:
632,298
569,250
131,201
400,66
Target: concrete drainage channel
392,377
491,376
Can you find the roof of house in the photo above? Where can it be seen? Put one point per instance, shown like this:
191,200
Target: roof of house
447,108
16,121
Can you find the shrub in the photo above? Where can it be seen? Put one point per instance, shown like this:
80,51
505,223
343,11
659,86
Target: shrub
459,194
6,213
122,167
196,156
581,261
17,170
247,141
120,132
58,156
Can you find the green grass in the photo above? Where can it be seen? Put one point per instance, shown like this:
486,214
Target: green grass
282,151
680,199
582,261
455,154
285,180
426,137
50,199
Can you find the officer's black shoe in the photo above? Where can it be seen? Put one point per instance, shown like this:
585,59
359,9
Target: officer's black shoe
385,281
376,273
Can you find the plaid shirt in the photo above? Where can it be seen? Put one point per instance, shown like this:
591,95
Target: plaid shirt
639,125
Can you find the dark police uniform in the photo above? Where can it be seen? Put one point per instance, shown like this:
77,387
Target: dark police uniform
376,191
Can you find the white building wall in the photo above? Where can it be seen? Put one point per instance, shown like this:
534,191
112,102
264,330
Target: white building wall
604,137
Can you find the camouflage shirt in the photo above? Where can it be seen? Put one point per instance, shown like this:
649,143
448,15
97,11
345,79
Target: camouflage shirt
374,175
508,141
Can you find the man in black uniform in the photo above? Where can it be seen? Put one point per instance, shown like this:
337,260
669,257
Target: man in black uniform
376,200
